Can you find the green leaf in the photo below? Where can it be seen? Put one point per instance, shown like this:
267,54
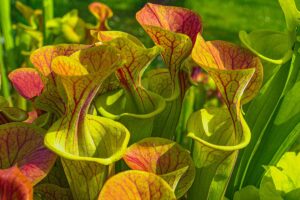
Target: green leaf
164,158
247,193
12,114
286,176
291,14
272,46
280,182
268,191
293,195
289,106
134,184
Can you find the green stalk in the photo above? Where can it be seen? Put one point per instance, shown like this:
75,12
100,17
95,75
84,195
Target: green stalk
6,28
186,110
4,80
47,14
193,100
7,32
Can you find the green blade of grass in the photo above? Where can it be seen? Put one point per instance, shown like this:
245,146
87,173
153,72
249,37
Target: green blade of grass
47,15
4,80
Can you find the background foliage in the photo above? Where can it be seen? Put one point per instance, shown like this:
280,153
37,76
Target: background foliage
221,20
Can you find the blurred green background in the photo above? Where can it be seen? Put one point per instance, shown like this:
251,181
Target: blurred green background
221,19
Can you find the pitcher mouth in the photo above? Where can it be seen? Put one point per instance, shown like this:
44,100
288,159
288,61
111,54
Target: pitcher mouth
69,156
245,140
104,160
160,105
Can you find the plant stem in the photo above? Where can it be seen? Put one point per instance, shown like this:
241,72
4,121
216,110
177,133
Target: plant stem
47,14
6,28
194,100
186,111
7,32
4,80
